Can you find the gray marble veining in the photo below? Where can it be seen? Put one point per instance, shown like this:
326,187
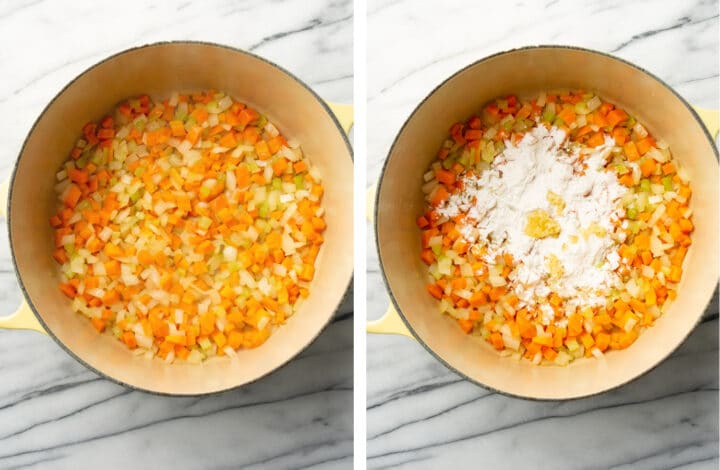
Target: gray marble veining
420,414
56,414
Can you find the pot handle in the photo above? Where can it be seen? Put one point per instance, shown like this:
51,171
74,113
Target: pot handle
390,323
711,119
23,318
343,113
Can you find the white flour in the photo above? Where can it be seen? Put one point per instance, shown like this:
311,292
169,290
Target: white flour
497,202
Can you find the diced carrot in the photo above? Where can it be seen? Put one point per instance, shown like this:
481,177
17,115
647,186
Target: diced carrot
668,168
497,341
129,338
466,325
193,134
98,324
72,196
300,166
435,291
644,145
648,167
595,140
428,257
78,176
616,116
567,115
631,151
69,290
262,150
686,226
280,165
177,128
445,177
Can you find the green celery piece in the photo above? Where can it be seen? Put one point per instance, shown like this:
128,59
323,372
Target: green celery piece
488,152
667,183
299,181
645,185
581,108
264,210
548,115
277,183
631,212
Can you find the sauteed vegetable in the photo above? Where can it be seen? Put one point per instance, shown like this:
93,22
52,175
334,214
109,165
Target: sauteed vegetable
187,228
555,227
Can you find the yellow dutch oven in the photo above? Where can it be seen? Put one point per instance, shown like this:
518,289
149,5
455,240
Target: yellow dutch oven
399,200
159,69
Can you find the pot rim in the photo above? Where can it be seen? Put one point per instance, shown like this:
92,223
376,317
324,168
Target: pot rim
12,183
394,301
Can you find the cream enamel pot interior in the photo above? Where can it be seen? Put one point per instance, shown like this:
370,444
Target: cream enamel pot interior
159,69
399,201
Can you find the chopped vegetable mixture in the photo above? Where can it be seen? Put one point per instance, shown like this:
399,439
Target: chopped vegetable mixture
189,227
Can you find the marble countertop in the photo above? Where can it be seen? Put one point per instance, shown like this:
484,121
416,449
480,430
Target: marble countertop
420,414
54,413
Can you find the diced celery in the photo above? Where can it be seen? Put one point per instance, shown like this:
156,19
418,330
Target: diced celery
572,345
205,343
621,169
99,157
488,152
631,212
558,122
83,160
264,210
277,183
581,108
299,181
212,107
261,121
437,249
134,197
83,205
180,115
548,114
69,248
668,183
507,122
139,171
645,185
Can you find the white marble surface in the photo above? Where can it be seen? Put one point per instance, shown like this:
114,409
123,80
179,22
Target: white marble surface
56,414
421,415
